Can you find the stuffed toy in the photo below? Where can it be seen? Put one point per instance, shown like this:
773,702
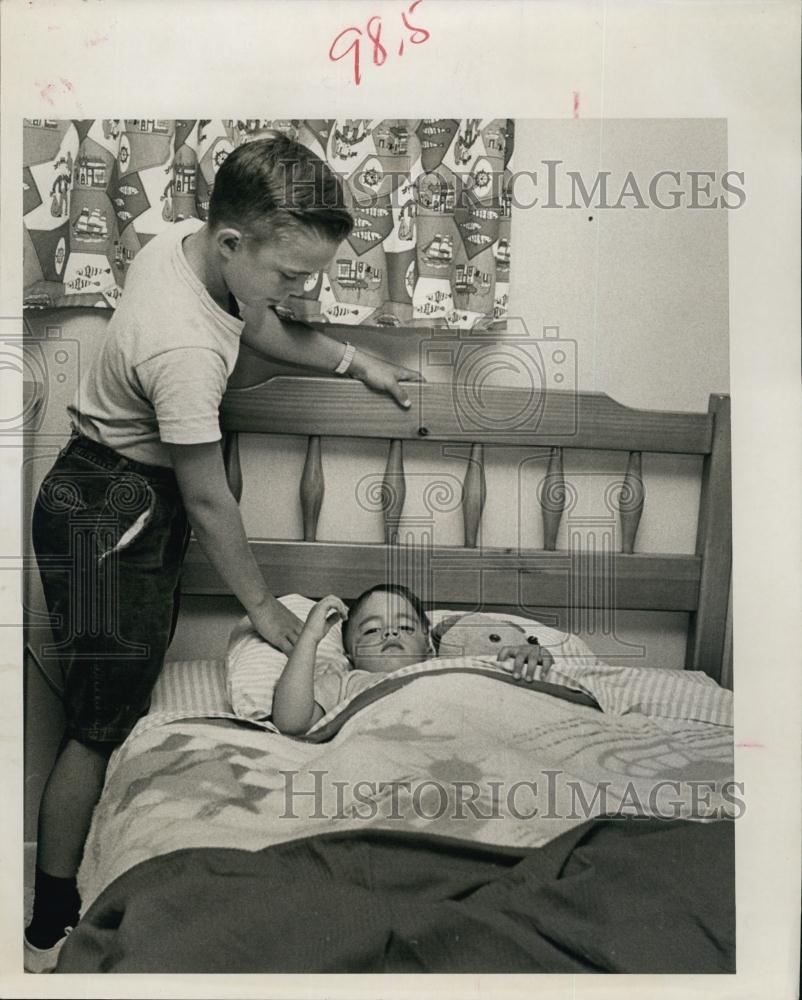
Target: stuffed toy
477,634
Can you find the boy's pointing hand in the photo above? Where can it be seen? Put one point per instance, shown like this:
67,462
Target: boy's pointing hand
384,376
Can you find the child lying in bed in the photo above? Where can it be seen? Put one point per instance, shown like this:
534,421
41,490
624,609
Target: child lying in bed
386,629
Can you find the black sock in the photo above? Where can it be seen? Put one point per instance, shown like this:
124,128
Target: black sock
56,906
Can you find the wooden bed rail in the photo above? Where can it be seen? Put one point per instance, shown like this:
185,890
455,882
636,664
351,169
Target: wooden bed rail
697,584
501,577
446,412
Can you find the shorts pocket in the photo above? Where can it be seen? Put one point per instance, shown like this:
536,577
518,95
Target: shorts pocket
129,521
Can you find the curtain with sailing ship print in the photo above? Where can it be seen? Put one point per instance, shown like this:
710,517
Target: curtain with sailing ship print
430,200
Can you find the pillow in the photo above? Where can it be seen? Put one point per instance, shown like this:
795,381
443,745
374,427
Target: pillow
253,666
197,687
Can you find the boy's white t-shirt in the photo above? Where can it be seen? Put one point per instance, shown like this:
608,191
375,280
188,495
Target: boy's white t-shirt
161,371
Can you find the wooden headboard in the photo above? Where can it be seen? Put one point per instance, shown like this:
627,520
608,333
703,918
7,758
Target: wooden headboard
505,578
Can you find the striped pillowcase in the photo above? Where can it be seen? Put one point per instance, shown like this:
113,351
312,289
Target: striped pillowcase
192,687
687,695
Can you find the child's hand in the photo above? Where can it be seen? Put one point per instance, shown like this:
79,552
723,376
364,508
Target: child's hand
323,616
525,661
383,376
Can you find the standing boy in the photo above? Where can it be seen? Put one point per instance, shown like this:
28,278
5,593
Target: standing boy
111,521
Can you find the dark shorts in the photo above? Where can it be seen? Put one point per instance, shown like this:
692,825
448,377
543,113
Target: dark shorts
110,535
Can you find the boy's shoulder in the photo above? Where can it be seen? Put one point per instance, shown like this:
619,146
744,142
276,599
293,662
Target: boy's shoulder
159,250
164,302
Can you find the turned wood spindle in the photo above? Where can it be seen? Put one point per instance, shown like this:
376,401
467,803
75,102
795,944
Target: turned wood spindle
630,502
394,490
312,488
474,493
231,460
552,499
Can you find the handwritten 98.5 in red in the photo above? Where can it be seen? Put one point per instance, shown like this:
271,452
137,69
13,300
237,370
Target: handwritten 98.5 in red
350,40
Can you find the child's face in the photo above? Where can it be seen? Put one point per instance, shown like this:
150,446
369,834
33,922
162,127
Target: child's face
386,634
267,273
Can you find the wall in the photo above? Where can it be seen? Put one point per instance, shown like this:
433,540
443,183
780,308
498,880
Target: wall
640,294
643,296
76,333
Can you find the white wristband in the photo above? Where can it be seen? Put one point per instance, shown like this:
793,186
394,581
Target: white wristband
347,358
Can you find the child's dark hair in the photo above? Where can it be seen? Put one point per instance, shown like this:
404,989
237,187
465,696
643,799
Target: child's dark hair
386,588
273,184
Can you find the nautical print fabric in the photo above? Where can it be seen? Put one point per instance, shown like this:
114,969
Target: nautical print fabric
430,199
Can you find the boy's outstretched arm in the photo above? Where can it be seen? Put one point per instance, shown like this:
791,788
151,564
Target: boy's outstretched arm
299,344
216,520
294,707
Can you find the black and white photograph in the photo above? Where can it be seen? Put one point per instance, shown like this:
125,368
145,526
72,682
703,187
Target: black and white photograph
404,583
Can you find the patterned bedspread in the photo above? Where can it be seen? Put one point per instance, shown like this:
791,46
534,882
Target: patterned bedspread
459,753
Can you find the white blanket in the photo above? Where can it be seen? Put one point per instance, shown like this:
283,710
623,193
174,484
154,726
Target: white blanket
456,751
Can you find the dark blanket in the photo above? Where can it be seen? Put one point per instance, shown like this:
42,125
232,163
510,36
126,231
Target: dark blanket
611,895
